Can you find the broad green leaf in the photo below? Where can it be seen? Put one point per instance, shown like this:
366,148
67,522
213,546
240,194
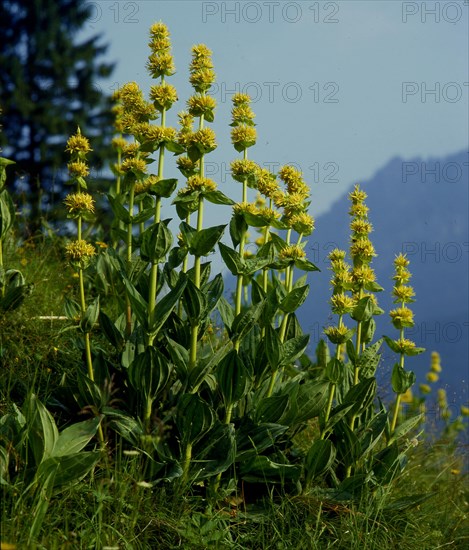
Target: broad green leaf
238,228
156,243
306,265
90,318
361,395
194,417
273,347
194,302
213,291
320,457
401,379
245,321
263,469
203,241
294,299
272,409
121,213
163,188
347,444
293,348
215,452
232,259
113,334
69,469
165,306
217,197
405,427
42,430
14,297
307,401
386,464
138,303
74,438
7,213
226,312
334,370
252,439
363,310
233,378
149,372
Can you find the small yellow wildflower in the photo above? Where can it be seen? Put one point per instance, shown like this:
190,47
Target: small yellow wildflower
201,105
198,183
78,143
357,195
337,335
163,96
78,169
402,317
79,203
292,252
243,136
432,377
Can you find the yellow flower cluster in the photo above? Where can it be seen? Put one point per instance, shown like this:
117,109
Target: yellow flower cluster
202,75
160,61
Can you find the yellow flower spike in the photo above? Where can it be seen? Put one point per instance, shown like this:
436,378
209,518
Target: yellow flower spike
78,169
79,253
79,203
435,364
243,136
134,164
242,114
160,64
242,169
204,137
119,143
292,252
425,389
363,249
432,377
363,274
268,213
361,227
407,397
186,165
78,144
201,58
302,223
202,80
401,261
359,210
405,346
342,303
336,255
198,183
402,317
245,207
163,96
403,294
201,105
337,335
357,195
241,99
267,183
293,180
464,411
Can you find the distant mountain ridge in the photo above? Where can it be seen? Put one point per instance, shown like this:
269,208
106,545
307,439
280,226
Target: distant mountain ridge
419,207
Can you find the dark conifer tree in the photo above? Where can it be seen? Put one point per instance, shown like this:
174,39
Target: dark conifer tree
49,85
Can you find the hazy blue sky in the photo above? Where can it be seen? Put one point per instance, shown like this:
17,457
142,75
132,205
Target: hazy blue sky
338,88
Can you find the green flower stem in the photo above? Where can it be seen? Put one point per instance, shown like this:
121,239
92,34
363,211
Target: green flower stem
128,308
186,462
358,342
397,405
283,327
154,265
332,386
197,261
147,414
242,243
